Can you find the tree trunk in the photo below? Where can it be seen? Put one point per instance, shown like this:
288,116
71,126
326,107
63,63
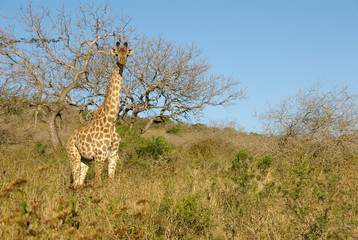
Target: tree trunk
52,129
149,124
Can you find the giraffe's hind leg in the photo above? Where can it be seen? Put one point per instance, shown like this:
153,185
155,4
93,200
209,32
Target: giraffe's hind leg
75,161
114,157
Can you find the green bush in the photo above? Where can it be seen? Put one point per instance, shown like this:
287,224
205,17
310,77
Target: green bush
265,162
173,130
248,172
240,159
192,217
155,147
137,147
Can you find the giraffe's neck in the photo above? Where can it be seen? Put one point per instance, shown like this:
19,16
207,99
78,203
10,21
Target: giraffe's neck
112,100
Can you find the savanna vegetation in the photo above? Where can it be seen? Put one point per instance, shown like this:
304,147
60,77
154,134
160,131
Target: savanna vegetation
174,181
185,182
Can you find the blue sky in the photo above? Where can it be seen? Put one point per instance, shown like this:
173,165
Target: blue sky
274,48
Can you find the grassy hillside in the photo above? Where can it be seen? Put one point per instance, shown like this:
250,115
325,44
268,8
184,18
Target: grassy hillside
179,182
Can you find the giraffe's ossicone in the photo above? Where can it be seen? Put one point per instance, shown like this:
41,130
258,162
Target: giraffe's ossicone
98,140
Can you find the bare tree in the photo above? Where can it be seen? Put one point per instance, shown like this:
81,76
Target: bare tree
64,61
50,64
315,113
170,81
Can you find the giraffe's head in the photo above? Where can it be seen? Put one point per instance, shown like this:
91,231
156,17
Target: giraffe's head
122,52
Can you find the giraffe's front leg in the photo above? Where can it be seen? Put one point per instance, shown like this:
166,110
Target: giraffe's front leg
84,169
112,163
98,168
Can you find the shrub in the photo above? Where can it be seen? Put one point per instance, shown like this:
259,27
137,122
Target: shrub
173,130
264,162
212,149
240,158
243,170
135,146
155,147
192,217
248,172
203,149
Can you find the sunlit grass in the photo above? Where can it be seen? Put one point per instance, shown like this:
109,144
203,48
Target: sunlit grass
221,184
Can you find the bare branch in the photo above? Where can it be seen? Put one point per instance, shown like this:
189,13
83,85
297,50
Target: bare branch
173,81
315,113
50,64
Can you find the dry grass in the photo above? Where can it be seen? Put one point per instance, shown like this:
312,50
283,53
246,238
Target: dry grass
21,129
215,183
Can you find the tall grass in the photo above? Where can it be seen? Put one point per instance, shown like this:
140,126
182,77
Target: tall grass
220,185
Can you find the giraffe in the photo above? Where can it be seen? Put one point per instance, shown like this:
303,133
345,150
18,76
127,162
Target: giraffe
98,140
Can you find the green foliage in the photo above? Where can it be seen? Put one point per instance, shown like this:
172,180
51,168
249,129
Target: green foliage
139,148
240,159
73,203
310,198
155,148
243,161
39,148
173,130
243,170
264,162
130,140
199,125
129,136
25,209
72,217
254,134
188,216
192,216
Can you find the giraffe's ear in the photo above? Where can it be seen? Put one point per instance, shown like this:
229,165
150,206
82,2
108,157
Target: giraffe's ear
130,52
113,52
